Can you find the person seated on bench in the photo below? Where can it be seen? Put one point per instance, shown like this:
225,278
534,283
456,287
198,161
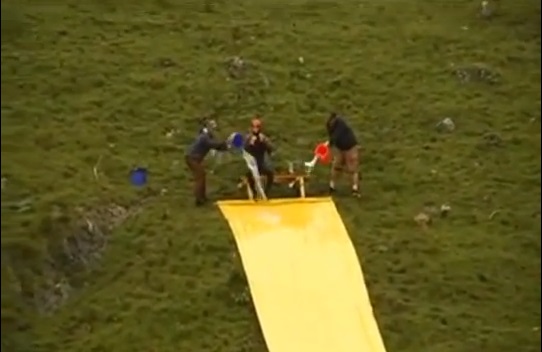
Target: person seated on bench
258,145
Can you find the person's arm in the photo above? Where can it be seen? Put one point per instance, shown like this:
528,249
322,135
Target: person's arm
268,145
336,131
249,139
216,145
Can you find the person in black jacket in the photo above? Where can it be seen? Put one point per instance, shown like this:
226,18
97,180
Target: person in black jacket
342,138
196,153
258,145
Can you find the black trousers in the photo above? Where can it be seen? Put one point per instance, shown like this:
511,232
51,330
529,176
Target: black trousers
264,170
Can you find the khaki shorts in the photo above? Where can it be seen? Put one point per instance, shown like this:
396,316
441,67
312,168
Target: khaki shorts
347,160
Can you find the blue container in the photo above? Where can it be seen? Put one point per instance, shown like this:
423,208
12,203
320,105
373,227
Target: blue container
138,176
237,140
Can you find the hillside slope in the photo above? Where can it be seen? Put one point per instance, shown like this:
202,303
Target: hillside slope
92,88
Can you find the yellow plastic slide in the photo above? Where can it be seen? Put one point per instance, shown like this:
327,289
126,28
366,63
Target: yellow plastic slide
304,276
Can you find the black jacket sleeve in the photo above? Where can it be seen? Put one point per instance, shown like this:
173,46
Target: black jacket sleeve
341,136
337,132
217,145
268,145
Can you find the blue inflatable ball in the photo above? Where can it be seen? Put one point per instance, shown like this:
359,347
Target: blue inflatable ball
138,176
236,140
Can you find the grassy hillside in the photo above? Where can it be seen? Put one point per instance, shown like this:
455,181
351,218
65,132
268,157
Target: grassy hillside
93,88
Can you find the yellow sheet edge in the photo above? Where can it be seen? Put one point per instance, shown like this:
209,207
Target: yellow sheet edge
274,201
304,275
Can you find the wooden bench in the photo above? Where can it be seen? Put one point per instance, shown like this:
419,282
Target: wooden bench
292,180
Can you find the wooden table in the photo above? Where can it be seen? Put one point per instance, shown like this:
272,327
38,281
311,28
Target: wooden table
292,180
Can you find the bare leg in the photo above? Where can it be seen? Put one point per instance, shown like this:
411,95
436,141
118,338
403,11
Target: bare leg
355,181
352,164
269,175
336,169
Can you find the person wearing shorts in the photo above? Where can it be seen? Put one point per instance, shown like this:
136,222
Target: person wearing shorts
344,141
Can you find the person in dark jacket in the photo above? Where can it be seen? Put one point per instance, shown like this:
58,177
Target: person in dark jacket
342,138
258,145
196,153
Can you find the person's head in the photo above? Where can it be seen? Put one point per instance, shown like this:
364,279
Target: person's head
331,120
256,125
209,125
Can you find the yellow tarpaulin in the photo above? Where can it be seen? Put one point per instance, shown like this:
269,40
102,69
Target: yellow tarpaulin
304,276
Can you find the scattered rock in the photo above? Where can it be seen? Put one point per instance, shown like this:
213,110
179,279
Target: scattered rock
477,73
165,63
423,219
492,139
445,210
171,133
382,248
54,294
236,66
446,125
242,297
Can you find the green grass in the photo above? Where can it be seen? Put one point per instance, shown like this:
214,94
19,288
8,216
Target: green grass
89,80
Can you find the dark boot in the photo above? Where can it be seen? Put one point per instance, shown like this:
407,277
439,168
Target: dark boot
200,202
268,181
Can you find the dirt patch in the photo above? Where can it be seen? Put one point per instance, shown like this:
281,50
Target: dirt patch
75,242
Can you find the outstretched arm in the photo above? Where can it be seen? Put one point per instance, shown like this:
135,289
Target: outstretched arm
216,145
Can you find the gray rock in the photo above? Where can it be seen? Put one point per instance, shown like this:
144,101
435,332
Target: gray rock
446,125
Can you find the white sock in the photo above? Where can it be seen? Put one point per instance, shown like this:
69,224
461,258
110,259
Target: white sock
331,184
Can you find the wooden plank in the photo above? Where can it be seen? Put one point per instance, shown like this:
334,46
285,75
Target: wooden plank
282,178
289,179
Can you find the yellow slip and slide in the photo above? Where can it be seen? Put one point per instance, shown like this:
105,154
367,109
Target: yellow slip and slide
304,276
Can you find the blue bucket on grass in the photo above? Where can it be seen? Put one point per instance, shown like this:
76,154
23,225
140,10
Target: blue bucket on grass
236,140
138,176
